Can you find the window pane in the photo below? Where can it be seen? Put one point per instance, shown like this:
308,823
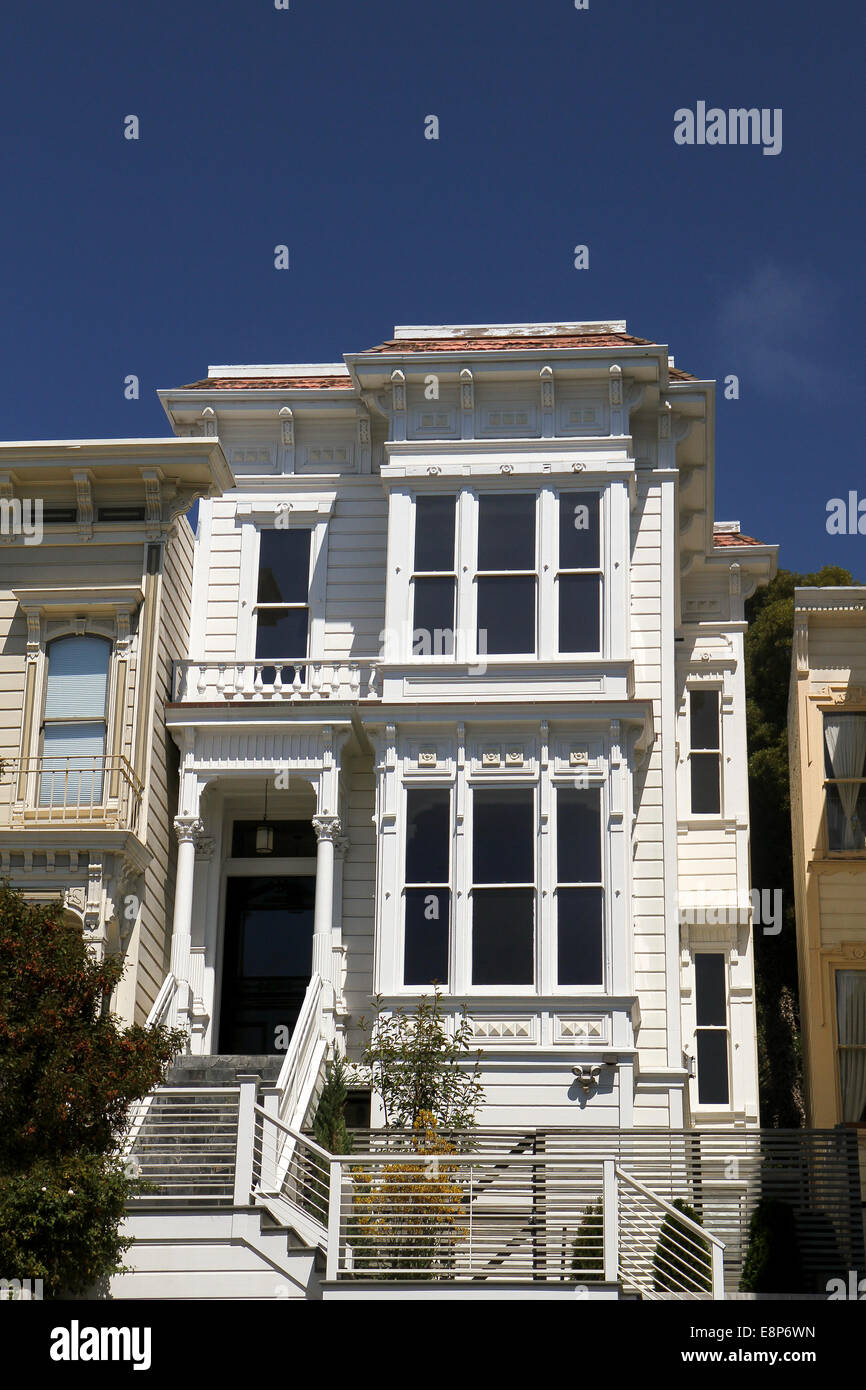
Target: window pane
578,531
706,792
506,532
846,823
77,678
282,632
506,616
73,764
580,934
712,1067
710,1006
845,745
434,533
704,706
284,566
503,837
578,835
426,953
502,936
433,625
579,612
428,834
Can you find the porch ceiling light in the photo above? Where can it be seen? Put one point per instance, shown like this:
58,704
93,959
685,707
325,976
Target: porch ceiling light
265,832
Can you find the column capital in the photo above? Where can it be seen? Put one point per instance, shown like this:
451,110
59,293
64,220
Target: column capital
327,828
187,829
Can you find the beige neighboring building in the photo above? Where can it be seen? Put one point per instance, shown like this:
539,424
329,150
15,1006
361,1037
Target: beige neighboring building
827,739
96,559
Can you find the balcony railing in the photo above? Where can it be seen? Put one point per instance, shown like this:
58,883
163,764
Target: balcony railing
80,790
270,679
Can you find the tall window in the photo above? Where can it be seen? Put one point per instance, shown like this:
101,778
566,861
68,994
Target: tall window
845,784
73,732
579,903
282,600
579,576
503,887
434,580
705,758
506,574
851,1024
427,894
711,1009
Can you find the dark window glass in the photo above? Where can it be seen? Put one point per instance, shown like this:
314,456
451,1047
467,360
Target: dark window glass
284,566
846,830
281,632
578,835
710,1003
704,706
433,625
502,936
120,514
506,532
706,791
713,1067
579,612
434,533
503,837
58,516
506,615
426,935
578,531
357,1110
580,936
428,834
293,839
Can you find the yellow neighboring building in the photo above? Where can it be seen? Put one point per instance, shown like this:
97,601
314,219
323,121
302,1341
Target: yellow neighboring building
827,741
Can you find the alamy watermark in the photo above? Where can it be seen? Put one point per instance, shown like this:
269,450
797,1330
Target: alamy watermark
764,905
20,1290
737,126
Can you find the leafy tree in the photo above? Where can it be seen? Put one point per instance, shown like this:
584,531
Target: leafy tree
682,1259
68,1075
418,1068
768,642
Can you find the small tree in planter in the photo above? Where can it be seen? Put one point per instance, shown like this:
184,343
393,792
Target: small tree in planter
68,1075
408,1218
587,1263
773,1263
682,1260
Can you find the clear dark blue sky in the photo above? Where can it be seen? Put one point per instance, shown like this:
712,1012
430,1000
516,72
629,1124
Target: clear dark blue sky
305,127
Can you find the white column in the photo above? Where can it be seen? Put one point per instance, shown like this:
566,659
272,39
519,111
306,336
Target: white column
186,828
327,830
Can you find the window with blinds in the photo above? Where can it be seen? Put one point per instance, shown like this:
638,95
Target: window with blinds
73,730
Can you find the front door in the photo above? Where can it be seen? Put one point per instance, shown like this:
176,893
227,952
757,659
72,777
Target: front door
267,961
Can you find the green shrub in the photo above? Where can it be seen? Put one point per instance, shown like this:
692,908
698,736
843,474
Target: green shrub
587,1252
683,1259
773,1262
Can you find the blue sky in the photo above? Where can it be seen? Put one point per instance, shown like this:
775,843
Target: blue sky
306,127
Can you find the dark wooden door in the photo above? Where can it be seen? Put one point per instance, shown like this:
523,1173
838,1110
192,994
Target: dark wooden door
267,960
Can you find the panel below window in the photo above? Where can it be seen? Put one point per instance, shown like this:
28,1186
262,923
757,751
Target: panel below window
712,1066
579,612
580,936
502,936
428,912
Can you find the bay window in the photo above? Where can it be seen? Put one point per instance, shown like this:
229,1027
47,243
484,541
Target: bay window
503,887
74,722
711,1033
579,576
427,892
845,781
506,574
851,1030
579,895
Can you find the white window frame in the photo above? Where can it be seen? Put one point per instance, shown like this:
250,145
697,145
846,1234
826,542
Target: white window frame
704,688
306,513
706,1107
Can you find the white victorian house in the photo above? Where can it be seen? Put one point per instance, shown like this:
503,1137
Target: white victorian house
463,704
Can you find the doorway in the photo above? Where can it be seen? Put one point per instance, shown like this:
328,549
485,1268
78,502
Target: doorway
267,961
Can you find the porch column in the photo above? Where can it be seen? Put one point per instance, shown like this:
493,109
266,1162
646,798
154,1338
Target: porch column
186,828
327,830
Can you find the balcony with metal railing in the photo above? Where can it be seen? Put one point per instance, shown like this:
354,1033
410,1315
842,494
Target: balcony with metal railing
275,681
84,790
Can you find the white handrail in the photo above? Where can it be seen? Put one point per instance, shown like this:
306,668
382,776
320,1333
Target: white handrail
162,1002
296,1062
